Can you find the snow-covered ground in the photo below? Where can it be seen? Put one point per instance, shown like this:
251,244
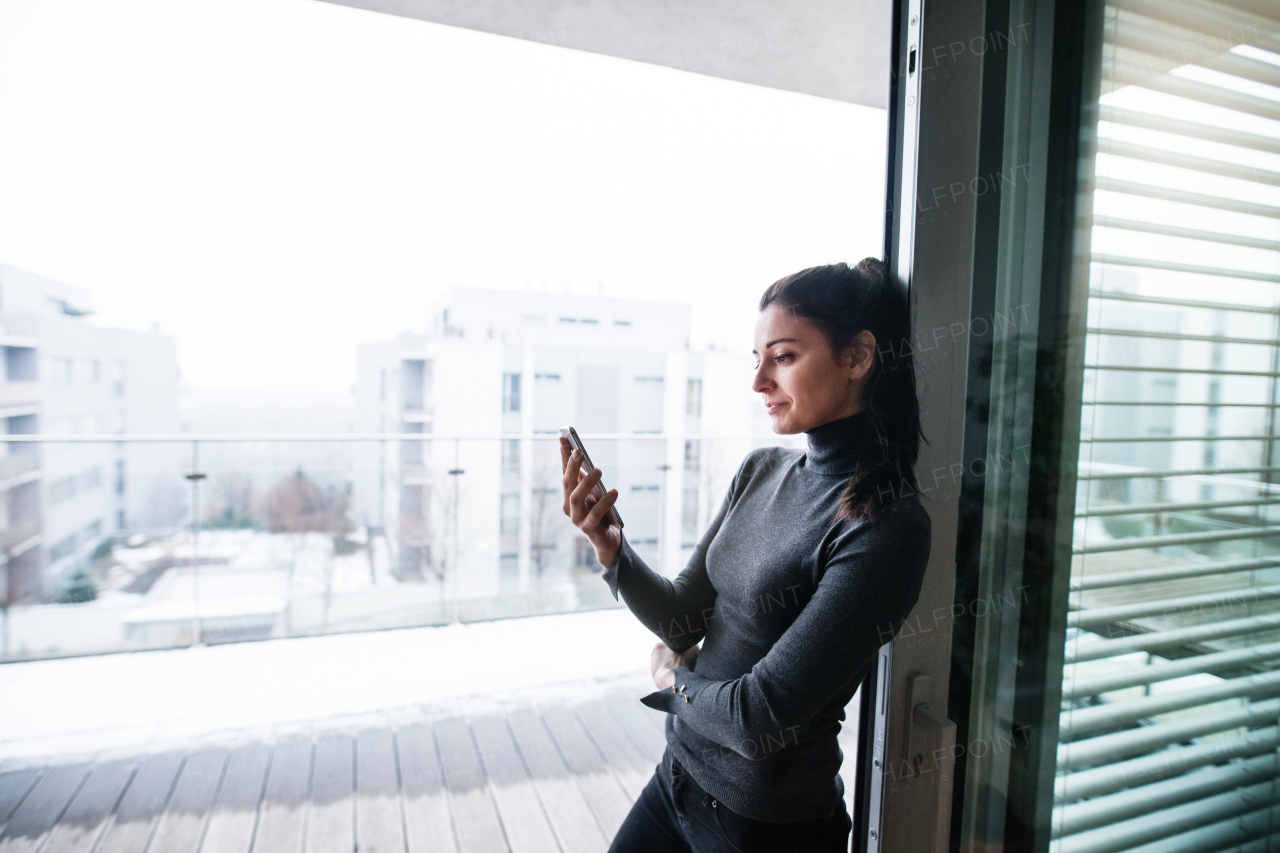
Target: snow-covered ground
313,565
143,700
251,584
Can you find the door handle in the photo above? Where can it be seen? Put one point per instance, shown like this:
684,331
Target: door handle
931,742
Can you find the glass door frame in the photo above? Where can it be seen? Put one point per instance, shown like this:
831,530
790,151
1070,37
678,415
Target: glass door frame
992,228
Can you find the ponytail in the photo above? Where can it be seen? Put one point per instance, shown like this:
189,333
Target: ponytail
842,302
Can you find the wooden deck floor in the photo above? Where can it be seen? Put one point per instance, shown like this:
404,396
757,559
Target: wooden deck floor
525,780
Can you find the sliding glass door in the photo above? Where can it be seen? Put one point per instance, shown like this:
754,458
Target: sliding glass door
1115,624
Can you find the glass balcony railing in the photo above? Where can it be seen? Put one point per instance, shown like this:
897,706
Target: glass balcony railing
149,542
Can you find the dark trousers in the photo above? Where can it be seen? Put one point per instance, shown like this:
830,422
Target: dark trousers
675,815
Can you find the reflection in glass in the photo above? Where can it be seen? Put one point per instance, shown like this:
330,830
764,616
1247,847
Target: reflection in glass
1171,696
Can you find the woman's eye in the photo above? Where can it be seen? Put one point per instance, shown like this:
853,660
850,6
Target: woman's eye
780,357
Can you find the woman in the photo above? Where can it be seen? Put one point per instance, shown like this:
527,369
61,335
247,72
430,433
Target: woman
811,564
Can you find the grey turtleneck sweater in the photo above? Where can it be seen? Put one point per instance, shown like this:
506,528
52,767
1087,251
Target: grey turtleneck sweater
792,611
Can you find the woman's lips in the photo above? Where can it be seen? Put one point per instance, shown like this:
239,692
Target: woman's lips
773,407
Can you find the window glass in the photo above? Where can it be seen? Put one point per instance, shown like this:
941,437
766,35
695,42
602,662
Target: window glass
1169,715
332,305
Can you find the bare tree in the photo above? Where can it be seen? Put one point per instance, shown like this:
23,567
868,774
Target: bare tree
546,509
295,504
429,524
229,500
418,531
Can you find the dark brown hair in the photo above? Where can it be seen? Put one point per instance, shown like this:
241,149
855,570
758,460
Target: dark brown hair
843,301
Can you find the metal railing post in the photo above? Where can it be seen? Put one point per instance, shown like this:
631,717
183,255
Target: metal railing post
456,471
195,477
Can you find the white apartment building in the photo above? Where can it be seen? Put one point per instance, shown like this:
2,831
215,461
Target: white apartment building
512,367
65,376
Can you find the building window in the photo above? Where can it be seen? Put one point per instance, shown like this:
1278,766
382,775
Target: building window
59,370
511,392
509,520
584,555
692,456
511,454
448,329
20,425
693,398
689,517
412,384
20,364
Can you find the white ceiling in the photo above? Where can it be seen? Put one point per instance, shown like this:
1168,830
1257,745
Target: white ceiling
837,50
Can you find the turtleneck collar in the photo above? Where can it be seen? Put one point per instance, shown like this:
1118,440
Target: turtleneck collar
836,447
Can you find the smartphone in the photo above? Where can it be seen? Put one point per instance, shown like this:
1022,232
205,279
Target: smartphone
599,491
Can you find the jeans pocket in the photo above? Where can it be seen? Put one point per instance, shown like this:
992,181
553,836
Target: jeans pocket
724,833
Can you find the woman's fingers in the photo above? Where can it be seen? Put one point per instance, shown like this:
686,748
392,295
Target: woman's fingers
595,518
572,463
578,505
587,509
584,509
572,466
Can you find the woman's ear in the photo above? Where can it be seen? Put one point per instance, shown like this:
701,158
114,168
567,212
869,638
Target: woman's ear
862,355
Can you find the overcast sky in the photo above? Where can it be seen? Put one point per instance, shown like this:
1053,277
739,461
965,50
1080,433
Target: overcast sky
273,181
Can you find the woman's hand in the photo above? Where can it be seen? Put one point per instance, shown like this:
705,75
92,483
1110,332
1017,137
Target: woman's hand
587,513
662,659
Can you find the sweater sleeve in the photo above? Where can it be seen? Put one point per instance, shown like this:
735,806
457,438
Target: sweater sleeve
676,610
871,583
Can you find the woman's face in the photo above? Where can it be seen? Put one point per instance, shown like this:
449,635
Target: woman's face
802,382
